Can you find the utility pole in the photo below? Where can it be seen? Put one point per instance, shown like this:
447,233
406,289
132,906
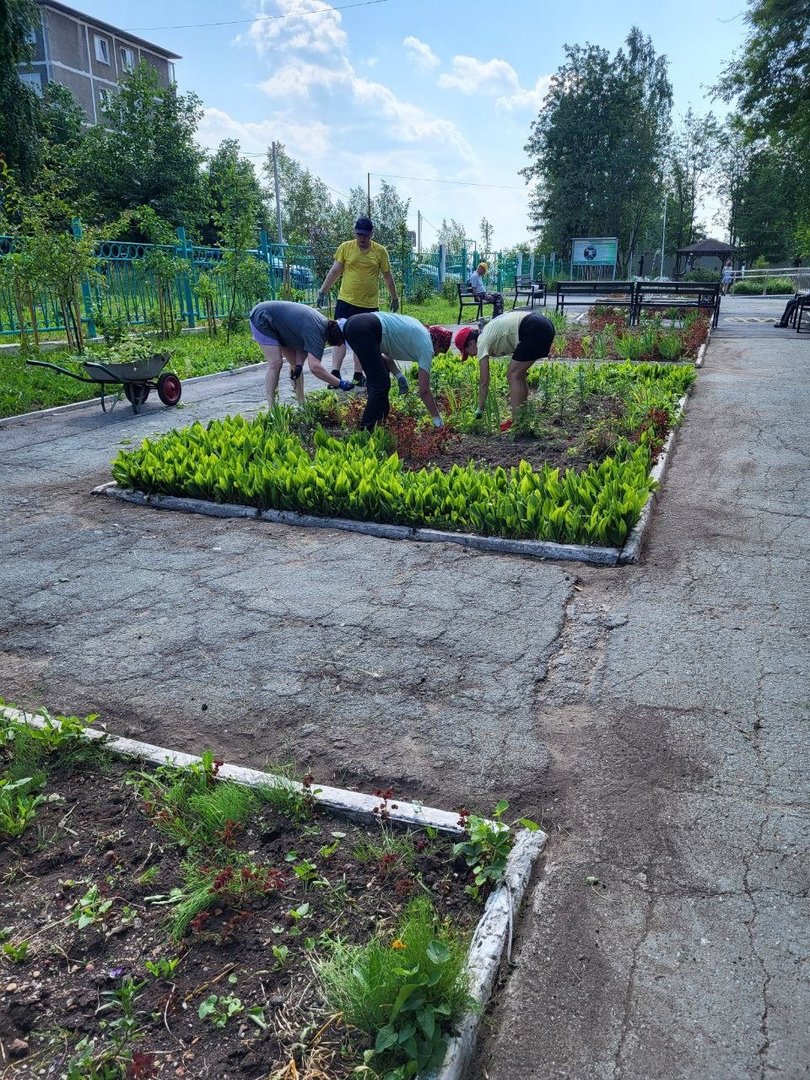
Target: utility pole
368,179
278,196
418,232
664,231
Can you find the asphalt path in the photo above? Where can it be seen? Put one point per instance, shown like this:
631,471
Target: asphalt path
652,717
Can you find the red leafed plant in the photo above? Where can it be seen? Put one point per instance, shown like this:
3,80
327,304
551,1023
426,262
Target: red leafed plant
415,445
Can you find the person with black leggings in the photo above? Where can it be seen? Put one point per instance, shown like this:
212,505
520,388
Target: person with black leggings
379,339
521,335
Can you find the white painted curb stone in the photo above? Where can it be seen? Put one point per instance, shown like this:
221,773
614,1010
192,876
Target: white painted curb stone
493,934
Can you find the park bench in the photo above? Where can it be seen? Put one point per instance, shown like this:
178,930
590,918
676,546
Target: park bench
679,294
590,293
801,311
526,289
467,298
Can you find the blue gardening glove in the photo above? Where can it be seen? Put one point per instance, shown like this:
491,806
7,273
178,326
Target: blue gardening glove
344,384
321,300
402,383
395,305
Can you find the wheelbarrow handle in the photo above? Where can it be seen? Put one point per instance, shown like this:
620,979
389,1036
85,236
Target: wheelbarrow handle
64,370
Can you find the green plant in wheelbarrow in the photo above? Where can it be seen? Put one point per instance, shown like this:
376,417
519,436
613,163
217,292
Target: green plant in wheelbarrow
133,366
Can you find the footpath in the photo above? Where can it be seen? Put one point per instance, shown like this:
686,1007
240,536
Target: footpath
653,717
670,935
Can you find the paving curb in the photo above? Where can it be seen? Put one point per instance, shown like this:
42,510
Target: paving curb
631,552
538,549
492,938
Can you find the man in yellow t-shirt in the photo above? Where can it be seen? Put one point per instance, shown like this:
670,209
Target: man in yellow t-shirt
360,262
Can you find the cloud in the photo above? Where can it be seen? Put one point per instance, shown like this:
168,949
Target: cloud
494,78
304,24
310,140
421,54
472,76
525,99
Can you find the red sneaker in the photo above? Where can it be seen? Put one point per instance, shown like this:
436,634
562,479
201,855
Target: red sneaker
506,425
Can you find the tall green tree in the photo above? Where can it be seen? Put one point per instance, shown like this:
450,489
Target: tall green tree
18,102
144,154
770,78
597,146
230,184
306,202
690,167
770,82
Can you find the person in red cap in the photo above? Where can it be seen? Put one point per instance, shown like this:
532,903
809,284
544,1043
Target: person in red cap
359,263
521,335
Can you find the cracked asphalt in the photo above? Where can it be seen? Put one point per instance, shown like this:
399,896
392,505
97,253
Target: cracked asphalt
653,717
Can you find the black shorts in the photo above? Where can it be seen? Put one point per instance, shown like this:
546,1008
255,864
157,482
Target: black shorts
345,310
535,335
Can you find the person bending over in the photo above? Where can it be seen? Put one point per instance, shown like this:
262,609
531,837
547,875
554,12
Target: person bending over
359,264
381,338
297,333
521,335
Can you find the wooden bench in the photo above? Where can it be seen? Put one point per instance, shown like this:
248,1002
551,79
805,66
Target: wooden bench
466,298
591,293
679,294
526,289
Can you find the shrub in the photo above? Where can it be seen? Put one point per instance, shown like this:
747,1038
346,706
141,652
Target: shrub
702,273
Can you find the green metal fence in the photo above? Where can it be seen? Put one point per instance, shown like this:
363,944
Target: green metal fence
134,282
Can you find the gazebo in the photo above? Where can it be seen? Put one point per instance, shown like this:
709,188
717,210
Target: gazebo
712,249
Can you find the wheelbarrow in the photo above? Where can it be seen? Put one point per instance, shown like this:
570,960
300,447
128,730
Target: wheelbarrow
136,378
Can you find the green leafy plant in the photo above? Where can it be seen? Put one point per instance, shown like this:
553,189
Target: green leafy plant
487,847
91,909
17,806
163,968
219,1009
17,952
405,992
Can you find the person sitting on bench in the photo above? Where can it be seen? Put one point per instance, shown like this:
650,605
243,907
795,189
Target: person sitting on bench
790,311
480,290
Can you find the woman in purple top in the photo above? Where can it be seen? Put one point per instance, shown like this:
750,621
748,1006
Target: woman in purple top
295,333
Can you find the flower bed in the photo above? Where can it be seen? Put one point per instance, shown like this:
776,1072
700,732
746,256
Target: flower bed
311,462
162,921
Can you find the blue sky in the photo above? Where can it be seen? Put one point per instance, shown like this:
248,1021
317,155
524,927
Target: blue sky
436,91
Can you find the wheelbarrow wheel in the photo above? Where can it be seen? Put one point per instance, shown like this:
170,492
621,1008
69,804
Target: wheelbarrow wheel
136,394
169,388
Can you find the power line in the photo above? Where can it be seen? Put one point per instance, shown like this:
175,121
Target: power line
460,183
257,18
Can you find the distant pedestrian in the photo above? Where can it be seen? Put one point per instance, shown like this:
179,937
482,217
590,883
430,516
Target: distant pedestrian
727,278
359,263
521,335
296,333
380,339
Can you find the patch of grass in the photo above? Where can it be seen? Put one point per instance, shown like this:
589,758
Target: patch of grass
25,389
405,991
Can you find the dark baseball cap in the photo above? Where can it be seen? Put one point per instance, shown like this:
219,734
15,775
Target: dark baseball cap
364,225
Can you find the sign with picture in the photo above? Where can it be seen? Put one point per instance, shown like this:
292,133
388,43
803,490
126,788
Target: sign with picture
595,251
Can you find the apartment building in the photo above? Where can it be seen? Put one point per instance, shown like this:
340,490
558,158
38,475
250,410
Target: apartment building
88,56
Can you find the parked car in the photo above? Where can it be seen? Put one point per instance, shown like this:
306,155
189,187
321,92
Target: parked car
428,270
301,277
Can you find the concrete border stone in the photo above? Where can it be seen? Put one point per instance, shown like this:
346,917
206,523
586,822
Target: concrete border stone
492,938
